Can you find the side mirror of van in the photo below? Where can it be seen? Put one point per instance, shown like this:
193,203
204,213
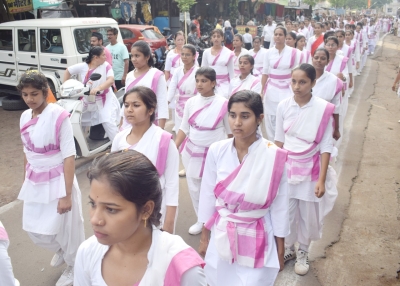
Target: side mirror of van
95,76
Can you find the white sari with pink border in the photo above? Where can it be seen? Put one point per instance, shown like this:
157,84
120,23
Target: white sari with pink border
243,199
203,125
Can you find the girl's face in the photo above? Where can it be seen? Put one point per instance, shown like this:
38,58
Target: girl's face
245,66
290,41
243,121
187,56
279,36
136,111
205,86
348,36
295,27
301,44
320,60
301,84
340,37
113,218
257,44
341,26
216,39
358,29
289,26
317,30
332,47
180,41
34,98
138,59
237,43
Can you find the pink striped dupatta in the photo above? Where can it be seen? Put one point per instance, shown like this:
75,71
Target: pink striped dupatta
206,119
302,139
243,199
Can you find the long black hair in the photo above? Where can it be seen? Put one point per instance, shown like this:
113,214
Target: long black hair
94,51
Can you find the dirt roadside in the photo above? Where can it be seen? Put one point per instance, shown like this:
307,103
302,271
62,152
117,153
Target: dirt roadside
367,251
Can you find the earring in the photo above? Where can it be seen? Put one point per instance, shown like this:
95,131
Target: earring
145,222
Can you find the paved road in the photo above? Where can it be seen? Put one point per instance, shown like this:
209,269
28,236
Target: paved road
31,263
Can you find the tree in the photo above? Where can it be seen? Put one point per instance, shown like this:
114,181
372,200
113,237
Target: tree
355,4
184,6
337,3
311,2
233,11
5,14
379,3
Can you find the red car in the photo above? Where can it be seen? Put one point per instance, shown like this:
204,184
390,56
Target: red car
132,33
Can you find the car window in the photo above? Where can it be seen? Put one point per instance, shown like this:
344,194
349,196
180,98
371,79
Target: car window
127,34
82,38
51,41
6,40
151,34
26,40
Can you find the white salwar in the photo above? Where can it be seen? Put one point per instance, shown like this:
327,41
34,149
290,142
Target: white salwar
222,160
236,68
48,139
106,109
223,66
258,61
181,88
278,68
171,262
149,145
306,210
197,140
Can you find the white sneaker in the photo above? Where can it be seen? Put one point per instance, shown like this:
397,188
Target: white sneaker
182,173
289,255
301,266
196,228
16,282
57,259
67,278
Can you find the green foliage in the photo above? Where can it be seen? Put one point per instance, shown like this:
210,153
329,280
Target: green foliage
379,3
184,5
233,11
337,3
310,2
356,4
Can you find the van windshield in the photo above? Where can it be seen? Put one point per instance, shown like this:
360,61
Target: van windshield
82,38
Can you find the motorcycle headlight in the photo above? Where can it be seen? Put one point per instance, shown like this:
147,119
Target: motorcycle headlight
75,92
65,91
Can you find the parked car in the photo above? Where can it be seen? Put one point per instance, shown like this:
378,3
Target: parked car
47,45
132,33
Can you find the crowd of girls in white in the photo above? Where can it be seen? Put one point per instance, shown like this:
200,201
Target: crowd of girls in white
255,198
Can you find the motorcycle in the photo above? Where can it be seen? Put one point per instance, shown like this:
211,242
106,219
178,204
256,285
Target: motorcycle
160,56
88,141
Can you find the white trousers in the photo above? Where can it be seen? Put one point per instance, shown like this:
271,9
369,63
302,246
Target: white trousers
304,222
178,121
371,48
194,185
342,115
111,129
270,124
363,60
6,270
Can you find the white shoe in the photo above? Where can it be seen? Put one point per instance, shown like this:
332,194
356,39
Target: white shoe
196,228
289,255
67,278
182,173
302,266
16,282
57,259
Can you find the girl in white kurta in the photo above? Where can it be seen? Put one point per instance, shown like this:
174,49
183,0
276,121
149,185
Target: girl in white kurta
6,270
362,38
246,80
305,57
328,86
205,121
373,36
105,110
52,213
155,143
275,83
258,53
339,66
354,57
127,247
238,51
183,85
316,41
304,129
243,202
220,59
146,75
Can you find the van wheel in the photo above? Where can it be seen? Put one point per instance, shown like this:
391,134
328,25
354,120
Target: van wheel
78,149
14,102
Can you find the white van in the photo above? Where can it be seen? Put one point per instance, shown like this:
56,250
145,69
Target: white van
48,45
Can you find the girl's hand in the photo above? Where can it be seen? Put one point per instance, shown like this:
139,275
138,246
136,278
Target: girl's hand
340,75
336,134
64,204
357,65
394,87
319,189
203,247
281,261
94,91
351,84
